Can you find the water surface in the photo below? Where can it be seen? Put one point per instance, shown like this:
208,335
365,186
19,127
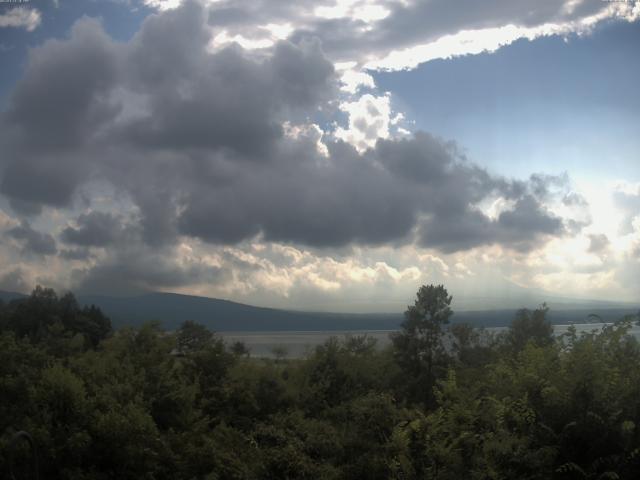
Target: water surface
298,344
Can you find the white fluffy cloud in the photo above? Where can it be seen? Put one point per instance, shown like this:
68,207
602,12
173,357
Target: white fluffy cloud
163,4
369,119
21,17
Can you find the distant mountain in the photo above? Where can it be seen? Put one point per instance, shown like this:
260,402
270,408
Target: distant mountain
8,296
172,309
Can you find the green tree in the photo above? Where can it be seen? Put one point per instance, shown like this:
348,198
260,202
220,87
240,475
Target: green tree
45,316
530,326
193,337
419,345
240,349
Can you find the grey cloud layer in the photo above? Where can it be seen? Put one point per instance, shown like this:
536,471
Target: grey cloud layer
13,281
629,204
55,113
32,241
196,141
94,229
407,24
598,243
133,269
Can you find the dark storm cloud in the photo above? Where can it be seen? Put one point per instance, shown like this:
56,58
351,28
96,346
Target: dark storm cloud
426,20
134,270
94,229
228,99
223,101
296,197
57,104
75,253
454,186
195,140
374,198
32,241
55,109
31,180
65,113
234,102
524,228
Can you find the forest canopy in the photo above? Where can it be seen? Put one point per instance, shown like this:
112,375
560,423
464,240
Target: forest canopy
442,401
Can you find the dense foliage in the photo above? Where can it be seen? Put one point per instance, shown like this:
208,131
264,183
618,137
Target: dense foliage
438,403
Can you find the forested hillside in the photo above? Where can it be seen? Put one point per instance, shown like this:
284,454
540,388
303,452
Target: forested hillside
443,402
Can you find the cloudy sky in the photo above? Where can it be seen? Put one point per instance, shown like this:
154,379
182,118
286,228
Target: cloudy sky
325,154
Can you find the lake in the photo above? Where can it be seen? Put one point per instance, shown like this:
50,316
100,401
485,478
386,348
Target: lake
298,344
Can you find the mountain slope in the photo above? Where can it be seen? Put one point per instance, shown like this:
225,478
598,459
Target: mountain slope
222,315
8,296
171,309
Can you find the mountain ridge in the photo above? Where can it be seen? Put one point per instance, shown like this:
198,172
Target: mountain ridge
171,309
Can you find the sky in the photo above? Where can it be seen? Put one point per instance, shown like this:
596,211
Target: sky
322,155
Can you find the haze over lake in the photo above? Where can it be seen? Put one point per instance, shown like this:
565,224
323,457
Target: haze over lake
298,344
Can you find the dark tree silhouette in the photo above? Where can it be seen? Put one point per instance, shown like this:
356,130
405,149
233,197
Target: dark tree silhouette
418,346
193,337
530,326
